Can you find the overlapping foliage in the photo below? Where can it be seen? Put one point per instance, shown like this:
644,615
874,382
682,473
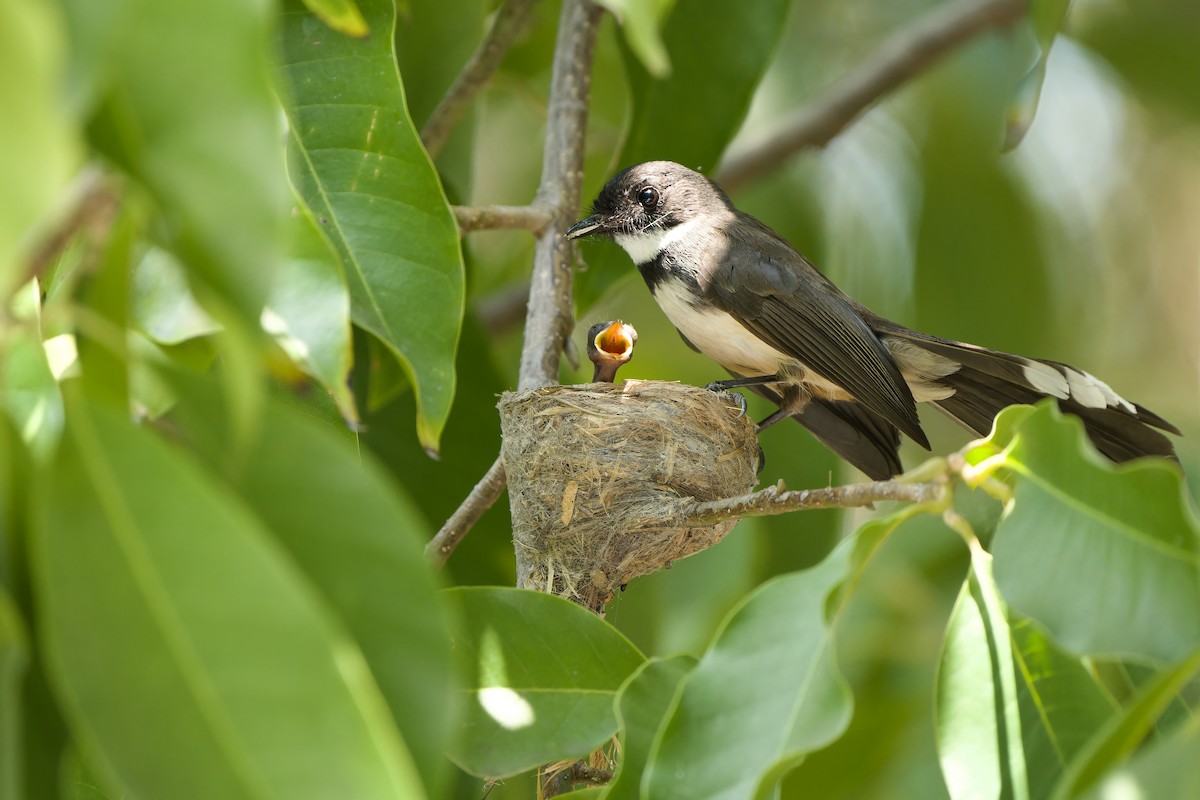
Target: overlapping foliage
233,303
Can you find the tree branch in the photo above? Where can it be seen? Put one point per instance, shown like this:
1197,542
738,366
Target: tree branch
508,23
549,319
481,498
479,218
901,57
688,513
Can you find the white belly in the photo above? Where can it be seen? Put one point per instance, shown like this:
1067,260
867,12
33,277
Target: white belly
726,341
718,335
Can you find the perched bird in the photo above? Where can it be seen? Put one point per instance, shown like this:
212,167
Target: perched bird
609,347
740,294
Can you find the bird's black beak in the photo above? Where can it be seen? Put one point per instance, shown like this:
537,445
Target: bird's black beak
585,227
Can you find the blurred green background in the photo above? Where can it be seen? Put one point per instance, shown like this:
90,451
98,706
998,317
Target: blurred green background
1080,245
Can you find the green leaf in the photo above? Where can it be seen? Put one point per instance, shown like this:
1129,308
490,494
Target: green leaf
979,729
211,156
358,163
1168,768
162,305
642,707
641,21
14,659
1124,732
308,312
186,648
40,148
1104,556
1047,18
771,679
1062,705
1012,710
542,677
359,543
341,15
692,114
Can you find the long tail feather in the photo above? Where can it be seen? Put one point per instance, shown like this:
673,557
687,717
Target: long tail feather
988,381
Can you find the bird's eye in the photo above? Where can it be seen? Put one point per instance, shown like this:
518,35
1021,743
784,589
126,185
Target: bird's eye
648,198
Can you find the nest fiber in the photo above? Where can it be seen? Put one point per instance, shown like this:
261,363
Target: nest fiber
591,468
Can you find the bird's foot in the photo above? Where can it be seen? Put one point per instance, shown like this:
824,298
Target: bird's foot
720,388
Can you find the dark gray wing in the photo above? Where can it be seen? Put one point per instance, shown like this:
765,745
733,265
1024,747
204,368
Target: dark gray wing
787,303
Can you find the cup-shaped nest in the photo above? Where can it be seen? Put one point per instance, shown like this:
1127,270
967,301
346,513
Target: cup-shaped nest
591,469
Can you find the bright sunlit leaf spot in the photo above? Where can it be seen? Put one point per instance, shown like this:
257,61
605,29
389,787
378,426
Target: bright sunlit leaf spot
502,704
61,355
509,709
1122,787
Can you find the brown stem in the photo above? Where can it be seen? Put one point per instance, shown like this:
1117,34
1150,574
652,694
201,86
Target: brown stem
549,319
902,56
773,500
481,498
481,218
506,26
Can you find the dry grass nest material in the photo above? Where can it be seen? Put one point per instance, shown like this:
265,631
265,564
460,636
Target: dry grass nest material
593,469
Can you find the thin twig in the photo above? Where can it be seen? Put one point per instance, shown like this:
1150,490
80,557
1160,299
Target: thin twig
773,500
481,498
506,26
480,218
900,57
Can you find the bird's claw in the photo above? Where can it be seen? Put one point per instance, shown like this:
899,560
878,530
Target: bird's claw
739,400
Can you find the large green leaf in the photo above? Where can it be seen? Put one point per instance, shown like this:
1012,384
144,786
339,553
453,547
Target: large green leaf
1106,557
768,691
1113,742
359,165
1012,709
642,706
542,676
189,652
40,148
357,541
341,15
979,730
691,114
183,102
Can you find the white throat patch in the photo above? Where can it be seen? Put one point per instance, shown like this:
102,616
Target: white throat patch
645,246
